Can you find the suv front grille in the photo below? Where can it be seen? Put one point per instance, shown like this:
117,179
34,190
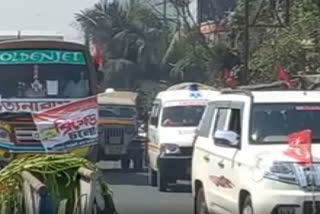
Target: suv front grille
187,151
308,207
114,132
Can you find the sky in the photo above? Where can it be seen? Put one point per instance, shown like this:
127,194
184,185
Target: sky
43,15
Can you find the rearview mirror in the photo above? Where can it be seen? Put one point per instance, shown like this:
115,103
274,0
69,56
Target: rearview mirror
227,138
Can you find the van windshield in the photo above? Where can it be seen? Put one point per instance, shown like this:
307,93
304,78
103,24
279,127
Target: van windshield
182,116
272,123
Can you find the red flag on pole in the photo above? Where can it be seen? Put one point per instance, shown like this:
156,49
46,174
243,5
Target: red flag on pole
97,58
300,147
228,78
283,75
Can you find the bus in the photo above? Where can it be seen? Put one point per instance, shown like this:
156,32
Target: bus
37,75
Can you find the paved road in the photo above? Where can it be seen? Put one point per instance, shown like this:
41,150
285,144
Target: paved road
132,195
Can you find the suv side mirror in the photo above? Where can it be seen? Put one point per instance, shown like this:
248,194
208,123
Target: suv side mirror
227,138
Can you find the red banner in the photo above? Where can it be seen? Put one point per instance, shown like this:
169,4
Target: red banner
300,147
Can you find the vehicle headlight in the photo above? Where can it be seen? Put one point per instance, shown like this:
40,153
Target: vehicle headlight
282,172
170,149
4,135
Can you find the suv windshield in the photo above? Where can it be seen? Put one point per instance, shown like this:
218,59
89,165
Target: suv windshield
272,123
43,74
118,112
182,116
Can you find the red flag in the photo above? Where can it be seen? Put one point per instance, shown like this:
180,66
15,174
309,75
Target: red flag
97,58
300,147
283,75
228,79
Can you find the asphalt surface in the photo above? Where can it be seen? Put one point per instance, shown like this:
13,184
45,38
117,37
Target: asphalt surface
132,195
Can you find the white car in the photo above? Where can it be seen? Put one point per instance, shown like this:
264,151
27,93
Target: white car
239,164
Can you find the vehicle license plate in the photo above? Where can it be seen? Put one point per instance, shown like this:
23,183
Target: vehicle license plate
114,150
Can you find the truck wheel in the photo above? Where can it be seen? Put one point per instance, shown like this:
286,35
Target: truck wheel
247,206
125,163
152,177
162,181
92,155
200,203
138,164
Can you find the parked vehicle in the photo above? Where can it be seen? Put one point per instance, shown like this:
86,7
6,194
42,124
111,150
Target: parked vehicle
174,118
118,129
240,164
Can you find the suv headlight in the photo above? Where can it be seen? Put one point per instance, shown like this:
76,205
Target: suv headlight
130,129
170,149
282,172
4,135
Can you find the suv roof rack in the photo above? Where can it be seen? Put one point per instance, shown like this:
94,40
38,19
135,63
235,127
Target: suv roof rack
238,91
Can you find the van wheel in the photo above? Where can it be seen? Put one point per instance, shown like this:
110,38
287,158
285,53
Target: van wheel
152,177
200,203
162,181
247,206
125,163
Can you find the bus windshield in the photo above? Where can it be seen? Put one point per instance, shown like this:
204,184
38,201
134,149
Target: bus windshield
43,74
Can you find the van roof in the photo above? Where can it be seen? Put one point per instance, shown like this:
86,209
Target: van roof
174,95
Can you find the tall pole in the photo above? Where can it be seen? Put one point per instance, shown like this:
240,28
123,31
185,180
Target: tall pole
165,12
245,72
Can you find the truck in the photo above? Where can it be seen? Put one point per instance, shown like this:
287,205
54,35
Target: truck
118,129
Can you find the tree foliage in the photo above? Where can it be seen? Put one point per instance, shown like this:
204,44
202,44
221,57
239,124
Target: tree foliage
138,43
131,39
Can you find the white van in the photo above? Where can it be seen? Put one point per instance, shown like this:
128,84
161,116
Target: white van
173,121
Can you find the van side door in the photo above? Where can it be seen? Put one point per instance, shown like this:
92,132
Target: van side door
153,134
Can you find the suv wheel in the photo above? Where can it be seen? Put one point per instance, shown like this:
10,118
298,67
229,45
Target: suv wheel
125,163
162,181
152,177
138,163
200,203
247,206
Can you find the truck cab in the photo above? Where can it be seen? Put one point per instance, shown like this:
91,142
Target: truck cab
118,129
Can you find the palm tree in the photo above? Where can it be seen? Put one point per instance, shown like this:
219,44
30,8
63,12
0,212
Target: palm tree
131,39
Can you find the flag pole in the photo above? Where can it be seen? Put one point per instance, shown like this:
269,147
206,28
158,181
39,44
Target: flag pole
313,185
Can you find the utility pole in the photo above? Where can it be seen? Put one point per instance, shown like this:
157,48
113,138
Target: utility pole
245,72
165,12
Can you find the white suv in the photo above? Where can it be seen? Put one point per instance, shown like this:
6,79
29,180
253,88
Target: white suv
239,164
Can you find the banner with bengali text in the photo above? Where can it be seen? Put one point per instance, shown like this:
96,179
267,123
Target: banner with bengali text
68,126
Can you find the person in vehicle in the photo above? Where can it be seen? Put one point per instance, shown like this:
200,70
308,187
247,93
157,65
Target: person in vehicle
77,86
36,88
171,120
